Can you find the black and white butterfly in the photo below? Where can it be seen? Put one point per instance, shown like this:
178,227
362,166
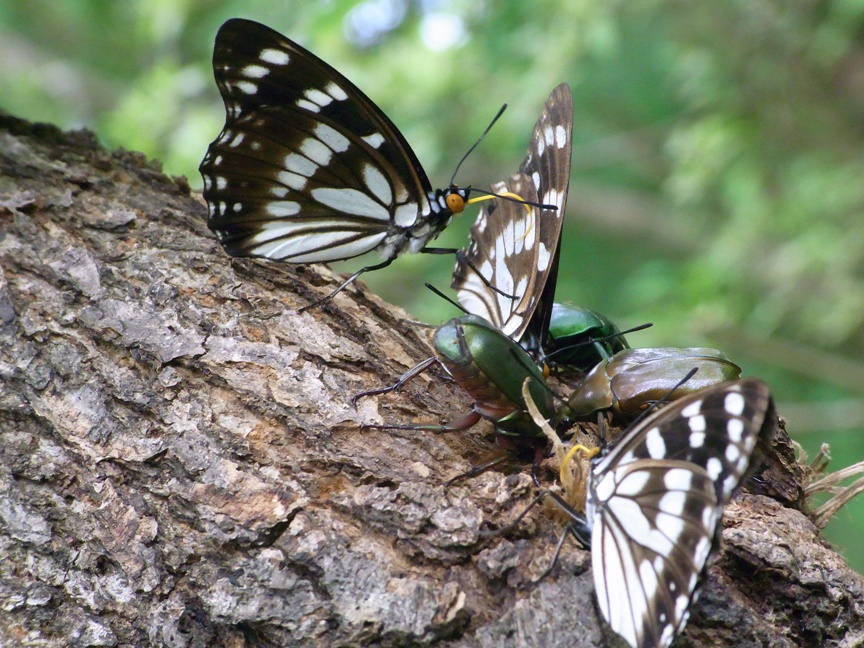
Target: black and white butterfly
515,249
655,501
307,168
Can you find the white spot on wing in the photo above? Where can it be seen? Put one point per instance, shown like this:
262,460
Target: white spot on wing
255,71
332,138
335,91
246,87
560,136
735,430
293,180
678,479
300,165
377,184
655,444
732,453
696,423
374,140
693,409
316,151
714,467
274,56
734,403
406,215
305,104
351,201
317,97
282,208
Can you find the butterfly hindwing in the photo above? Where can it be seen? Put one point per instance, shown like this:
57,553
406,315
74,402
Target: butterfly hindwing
308,168
516,249
515,225
655,505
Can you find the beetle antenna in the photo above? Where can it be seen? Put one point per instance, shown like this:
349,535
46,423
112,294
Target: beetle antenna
594,340
667,397
446,298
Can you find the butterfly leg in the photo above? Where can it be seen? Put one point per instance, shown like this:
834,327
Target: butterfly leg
345,284
461,257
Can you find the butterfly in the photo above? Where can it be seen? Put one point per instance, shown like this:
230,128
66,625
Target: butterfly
655,501
307,169
515,247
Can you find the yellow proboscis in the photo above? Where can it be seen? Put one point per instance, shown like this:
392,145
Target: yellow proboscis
507,194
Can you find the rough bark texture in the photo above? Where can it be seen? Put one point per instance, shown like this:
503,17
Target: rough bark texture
181,464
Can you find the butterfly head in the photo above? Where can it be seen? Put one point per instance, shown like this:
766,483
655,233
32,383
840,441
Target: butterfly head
456,198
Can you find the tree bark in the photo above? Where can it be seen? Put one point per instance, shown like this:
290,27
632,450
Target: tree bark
182,466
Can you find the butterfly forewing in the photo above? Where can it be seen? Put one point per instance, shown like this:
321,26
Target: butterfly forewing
516,249
307,168
716,428
656,501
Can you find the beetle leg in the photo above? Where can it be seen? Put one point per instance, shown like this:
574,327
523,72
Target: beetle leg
535,465
476,470
462,423
413,372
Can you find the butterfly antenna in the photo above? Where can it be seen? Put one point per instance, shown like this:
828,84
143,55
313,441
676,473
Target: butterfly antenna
445,297
509,196
480,139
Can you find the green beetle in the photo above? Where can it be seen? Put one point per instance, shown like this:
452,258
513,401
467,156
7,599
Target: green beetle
579,338
491,368
632,379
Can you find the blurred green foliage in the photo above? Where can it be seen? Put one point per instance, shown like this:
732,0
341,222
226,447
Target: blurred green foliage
718,167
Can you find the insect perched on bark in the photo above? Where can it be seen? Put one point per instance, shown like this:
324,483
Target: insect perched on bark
654,500
516,249
307,169
632,379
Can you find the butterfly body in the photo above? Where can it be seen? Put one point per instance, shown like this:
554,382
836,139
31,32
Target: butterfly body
307,168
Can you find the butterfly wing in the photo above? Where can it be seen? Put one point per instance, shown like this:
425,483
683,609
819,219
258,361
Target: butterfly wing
516,249
307,169
656,501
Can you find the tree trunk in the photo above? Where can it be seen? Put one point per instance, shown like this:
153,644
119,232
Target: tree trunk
182,466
